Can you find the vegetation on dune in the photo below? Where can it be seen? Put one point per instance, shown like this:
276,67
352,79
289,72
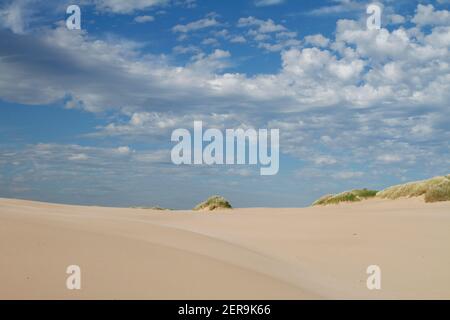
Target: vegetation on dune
441,192
214,203
152,208
433,190
365,193
347,196
323,200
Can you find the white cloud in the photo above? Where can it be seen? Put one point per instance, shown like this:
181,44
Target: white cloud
190,4
317,40
265,3
345,175
280,45
427,15
370,94
269,35
78,157
238,39
196,25
376,101
129,6
216,61
286,35
422,130
144,19
396,19
325,160
341,6
157,124
14,16
210,42
264,26
389,158
360,68
186,49
124,150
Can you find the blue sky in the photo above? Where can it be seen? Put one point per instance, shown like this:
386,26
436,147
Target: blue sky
86,116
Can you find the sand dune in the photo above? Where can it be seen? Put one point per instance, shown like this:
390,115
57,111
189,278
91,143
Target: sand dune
311,253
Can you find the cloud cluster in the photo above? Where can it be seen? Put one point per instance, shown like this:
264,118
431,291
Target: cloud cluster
129,6
365,98
359,68
196,25
339,7
268,35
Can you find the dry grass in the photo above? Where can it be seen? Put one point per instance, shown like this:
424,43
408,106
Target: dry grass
434,190
348,196
214,203
441,192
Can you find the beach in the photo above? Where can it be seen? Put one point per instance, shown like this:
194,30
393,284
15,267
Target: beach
259,253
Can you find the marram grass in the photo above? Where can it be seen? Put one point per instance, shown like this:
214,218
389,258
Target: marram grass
214,203
347,196
433,190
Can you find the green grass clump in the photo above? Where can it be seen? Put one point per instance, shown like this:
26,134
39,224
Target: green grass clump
348,196
435,189
365,193
214,203
323,200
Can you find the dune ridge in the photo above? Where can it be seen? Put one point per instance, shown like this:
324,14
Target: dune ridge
431,190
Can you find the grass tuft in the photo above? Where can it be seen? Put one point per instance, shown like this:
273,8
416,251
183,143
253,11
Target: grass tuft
323,200
441,192
435,189
214,203
348,196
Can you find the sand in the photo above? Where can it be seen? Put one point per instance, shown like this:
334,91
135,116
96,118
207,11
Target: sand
310,253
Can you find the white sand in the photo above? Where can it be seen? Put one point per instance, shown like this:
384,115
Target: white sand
310,253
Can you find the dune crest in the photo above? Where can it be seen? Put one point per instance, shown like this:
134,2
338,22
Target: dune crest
433,190
214,203
436,189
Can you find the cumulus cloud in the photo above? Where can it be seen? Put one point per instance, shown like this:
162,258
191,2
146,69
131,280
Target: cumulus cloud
427,15
269,35
395,19
317,40
361,68
355,99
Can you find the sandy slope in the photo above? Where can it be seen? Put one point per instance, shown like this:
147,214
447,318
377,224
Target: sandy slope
244,253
